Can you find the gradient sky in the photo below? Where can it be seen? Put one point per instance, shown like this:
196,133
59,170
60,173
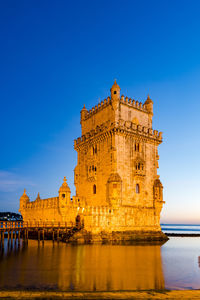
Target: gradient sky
57,55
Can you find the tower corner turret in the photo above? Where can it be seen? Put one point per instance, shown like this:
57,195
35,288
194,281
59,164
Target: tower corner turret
24,199
64,194
148,104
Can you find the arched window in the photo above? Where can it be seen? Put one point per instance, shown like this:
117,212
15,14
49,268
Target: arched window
63,195
137,188
139,167
137,147
94,189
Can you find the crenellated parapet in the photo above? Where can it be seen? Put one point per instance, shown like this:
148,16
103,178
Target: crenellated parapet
133,103
121,126
86,114
43,203
62,201
89,113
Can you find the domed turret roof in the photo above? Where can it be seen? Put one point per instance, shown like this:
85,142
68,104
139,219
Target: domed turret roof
115,86
24,196
38,197
148,100
84,108
64,187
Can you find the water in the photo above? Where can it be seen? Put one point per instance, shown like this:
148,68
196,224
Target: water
174,265
185,229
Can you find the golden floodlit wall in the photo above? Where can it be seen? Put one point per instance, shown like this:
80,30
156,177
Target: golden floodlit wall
116,180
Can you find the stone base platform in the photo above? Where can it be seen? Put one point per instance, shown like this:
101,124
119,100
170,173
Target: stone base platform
118,237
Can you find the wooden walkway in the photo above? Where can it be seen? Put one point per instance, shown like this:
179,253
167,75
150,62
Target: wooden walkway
15,230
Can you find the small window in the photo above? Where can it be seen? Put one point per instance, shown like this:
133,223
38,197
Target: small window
115,92
137,188
94,189
137,147
63,195
94,150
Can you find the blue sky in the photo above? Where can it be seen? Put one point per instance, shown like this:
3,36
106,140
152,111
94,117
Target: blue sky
57,55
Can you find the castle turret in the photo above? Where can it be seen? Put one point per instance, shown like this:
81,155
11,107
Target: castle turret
38,197
149,105
64,194
115,95
83,113
24,199
114,190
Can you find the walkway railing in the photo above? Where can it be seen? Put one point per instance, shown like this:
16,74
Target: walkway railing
60,231
11,225
20,224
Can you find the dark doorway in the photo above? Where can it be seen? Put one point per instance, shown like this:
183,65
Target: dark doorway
78,221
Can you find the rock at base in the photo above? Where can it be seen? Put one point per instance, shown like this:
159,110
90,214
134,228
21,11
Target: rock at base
117,237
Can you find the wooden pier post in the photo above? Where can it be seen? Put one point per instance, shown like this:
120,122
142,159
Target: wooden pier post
11,240
43,236
2,239
53,236
15,236
38,235
58,235
26,236
19,236
11,236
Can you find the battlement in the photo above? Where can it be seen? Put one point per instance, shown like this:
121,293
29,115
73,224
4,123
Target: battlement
39,203
120,126
132,103
107,101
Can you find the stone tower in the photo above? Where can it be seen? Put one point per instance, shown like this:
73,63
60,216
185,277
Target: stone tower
117,153
117,164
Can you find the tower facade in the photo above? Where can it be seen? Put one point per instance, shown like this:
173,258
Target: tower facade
118,160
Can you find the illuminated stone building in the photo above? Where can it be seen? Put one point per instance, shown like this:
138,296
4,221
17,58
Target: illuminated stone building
118,190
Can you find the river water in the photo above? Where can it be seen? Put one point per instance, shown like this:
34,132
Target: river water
174,265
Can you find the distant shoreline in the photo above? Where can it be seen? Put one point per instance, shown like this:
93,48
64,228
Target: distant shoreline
183,234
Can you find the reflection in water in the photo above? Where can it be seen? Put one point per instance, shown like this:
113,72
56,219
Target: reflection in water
180,263
82,267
